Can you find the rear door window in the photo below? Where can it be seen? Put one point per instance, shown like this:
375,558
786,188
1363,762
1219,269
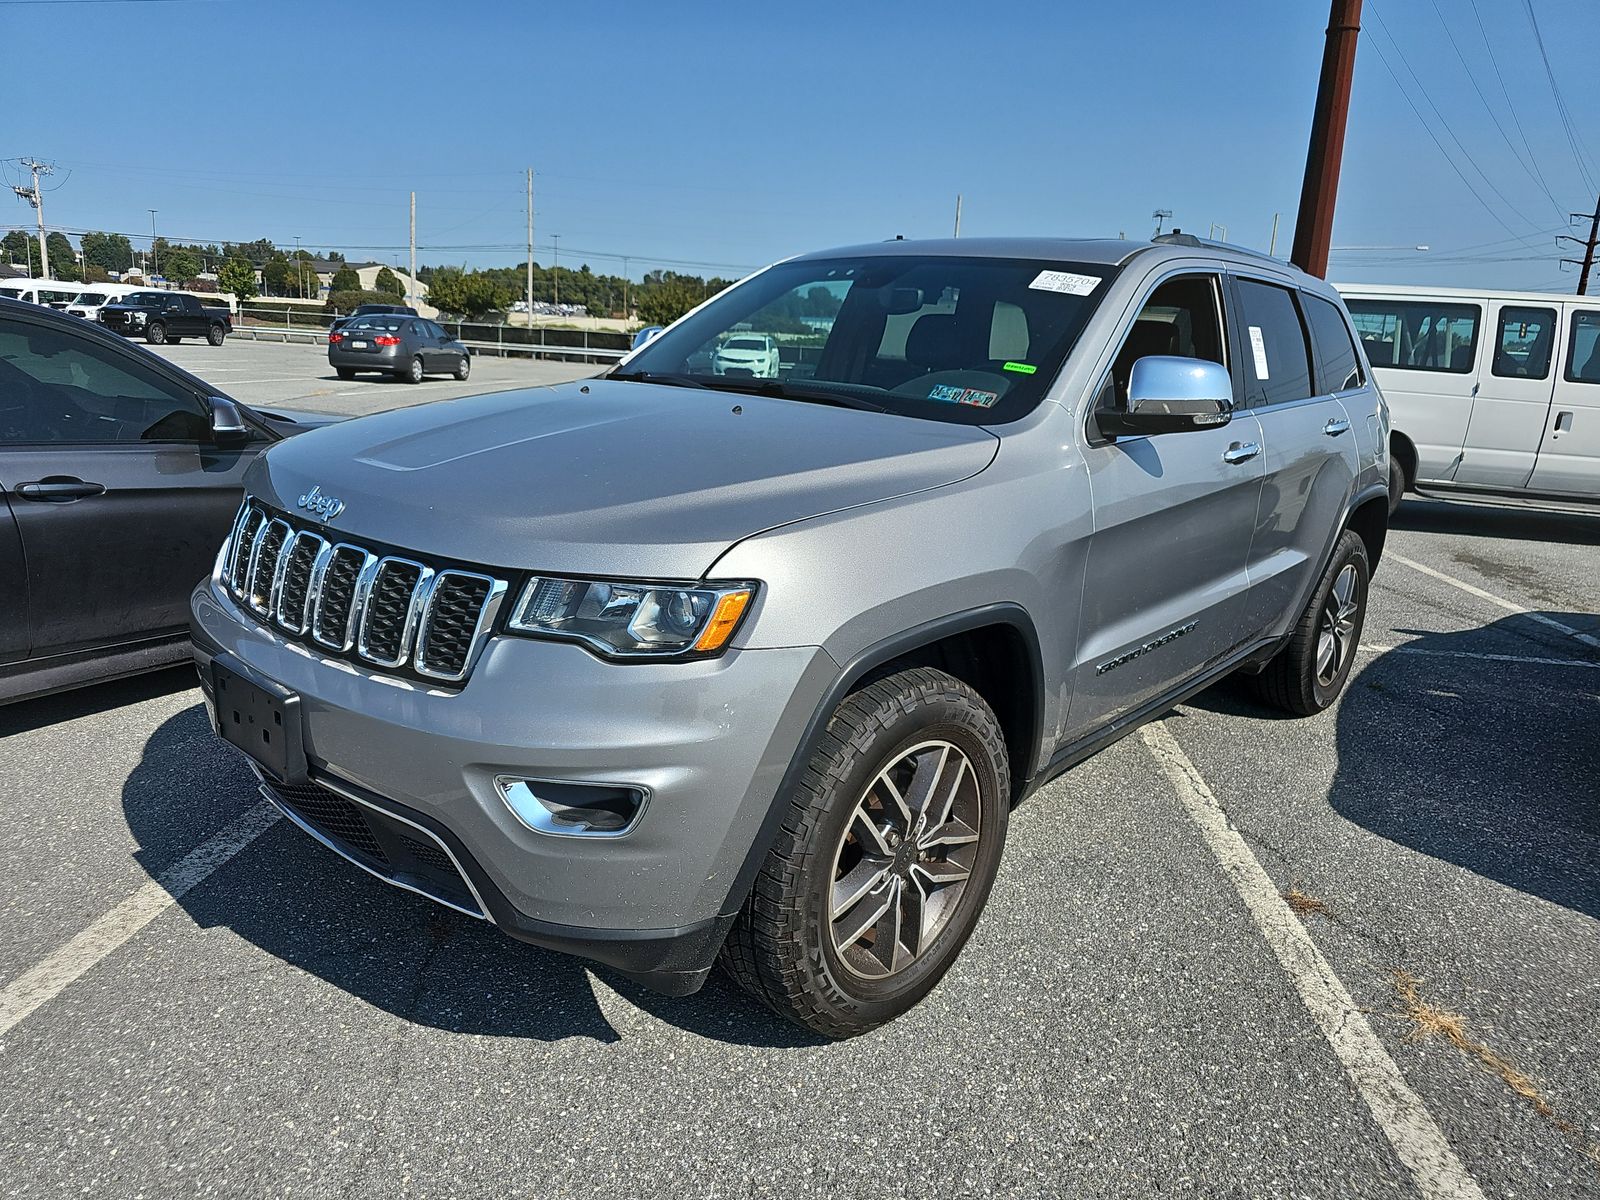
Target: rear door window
1417,335
1338,365
1524,342
1277,357
1583,347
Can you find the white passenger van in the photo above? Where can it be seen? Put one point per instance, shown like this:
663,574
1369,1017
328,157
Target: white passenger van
52,293
1489,392
93,296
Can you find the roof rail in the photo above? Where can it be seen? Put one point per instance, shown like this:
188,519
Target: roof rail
1178,238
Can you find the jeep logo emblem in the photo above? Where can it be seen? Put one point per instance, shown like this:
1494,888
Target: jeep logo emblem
326,507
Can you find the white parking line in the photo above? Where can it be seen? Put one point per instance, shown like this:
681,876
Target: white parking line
1399,1111
50,977
1501,601
1372,648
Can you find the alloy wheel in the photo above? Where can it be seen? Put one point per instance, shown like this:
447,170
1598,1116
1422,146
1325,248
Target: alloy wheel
904,859
1336,630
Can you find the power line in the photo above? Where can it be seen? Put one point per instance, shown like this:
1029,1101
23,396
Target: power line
1561,103
1472,78
1467,154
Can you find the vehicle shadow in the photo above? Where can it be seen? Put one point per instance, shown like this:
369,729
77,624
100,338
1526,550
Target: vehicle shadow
1426,515
397,951
27,715
1492,764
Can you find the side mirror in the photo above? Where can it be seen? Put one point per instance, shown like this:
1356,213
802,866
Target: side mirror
228,426
644,335
1171,395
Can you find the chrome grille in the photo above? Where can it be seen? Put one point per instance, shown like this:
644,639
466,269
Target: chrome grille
388,610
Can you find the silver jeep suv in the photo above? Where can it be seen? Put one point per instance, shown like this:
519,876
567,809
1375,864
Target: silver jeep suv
669,665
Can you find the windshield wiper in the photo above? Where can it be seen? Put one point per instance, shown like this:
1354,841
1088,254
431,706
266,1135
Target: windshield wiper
688,381
788,391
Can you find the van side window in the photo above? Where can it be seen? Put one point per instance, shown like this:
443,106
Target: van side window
1182,317
1277,357
1524,343
1417,335
1338,365
1583,347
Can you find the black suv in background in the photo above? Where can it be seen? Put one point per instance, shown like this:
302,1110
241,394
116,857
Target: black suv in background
119,475
161,317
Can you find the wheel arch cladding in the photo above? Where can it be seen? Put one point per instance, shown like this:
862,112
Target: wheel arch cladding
1370,522
993,649
1405,454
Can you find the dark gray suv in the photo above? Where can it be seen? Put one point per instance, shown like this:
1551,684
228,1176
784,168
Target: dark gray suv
667,666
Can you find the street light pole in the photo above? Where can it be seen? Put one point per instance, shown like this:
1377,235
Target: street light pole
155,255
555,266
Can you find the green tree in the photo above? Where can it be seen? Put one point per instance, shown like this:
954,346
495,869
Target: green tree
22,250
277,276
345,279
180,264
665,302
108,251
239,277
471,294
387,281
63,258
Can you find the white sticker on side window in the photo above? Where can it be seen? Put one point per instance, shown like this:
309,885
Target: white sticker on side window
1065,282
1258,348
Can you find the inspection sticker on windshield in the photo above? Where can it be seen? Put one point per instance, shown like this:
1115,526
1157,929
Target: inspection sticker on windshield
1065,282
1258,348
960,395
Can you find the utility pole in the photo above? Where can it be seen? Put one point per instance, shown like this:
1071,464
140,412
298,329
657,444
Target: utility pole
412,288
1587,262
555,267
1313,227
299,272
155,255
958,214
530,247
627,310
36,198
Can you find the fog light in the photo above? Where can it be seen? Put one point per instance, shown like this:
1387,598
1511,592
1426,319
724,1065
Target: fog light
573,809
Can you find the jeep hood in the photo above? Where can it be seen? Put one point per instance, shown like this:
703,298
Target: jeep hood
606,477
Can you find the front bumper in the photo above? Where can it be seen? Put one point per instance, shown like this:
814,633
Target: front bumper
710,740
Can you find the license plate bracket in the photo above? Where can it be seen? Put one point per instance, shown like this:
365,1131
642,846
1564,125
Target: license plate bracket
261,718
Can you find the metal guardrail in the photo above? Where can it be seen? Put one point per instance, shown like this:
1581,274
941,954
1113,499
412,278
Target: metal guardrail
306,327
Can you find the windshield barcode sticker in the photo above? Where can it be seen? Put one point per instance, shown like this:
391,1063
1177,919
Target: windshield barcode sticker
1065,282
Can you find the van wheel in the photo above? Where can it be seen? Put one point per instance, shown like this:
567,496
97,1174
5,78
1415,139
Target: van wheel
215,334
156,334
413,373
1397,484
1308,674
887,851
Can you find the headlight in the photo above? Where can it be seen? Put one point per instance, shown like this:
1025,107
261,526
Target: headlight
622,619
139,318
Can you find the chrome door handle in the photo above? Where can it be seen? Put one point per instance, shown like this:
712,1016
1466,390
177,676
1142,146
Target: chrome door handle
1336,426
1240,452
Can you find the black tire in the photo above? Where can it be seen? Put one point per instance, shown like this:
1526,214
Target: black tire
413,373
156,333
464,367
784,947
345,373
1397,484
1298,680
216,334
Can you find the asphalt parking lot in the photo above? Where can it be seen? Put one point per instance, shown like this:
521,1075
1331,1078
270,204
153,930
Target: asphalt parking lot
197,1000
297,375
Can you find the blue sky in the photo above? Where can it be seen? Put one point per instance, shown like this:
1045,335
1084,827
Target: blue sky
733,134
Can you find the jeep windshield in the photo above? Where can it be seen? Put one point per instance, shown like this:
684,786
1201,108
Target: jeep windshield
969,340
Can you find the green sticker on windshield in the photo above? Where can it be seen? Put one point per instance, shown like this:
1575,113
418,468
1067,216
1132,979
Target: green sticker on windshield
1021,368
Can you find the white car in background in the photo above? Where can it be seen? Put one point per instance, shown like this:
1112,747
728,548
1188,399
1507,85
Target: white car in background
754,354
